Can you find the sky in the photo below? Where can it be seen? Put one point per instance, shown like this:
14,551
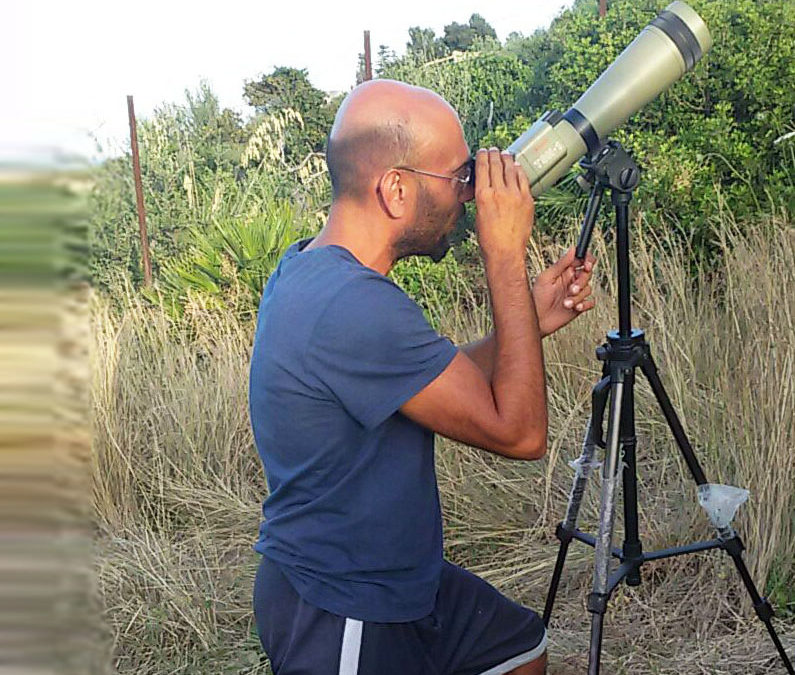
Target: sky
68,66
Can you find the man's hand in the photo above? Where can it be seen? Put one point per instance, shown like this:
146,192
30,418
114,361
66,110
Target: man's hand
561,291
505,207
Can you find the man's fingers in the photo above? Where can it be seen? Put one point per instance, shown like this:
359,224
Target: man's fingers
521,179
572,301
580,307
577,289
482,168
578,281
584,293
568,259
562,270
508,169
583,273
563,262
587,264
495,169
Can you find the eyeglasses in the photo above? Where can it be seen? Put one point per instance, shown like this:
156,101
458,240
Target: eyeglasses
464,177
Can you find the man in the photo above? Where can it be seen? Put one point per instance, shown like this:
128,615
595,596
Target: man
349,382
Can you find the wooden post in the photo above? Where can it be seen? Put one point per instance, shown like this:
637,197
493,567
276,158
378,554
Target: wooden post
368,64
139,194
602,8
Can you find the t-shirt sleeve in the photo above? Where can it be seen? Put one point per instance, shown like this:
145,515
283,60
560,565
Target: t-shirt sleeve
373,349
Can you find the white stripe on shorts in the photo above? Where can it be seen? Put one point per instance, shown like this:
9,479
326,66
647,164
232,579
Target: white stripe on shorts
351,645
520,660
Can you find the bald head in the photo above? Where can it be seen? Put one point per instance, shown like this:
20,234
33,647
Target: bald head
383,124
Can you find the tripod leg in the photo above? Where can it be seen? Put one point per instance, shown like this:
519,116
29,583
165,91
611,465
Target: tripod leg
732,543
597,600
553,585
632,547
649,369
583,467
734,547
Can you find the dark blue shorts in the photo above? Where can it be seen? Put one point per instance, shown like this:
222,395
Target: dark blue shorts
473,630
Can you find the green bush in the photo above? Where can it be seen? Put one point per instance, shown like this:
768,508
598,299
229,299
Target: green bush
229,262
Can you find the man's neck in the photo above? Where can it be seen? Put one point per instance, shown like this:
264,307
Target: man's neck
358,232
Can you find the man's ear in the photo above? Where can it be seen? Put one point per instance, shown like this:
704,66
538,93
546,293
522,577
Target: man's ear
394,193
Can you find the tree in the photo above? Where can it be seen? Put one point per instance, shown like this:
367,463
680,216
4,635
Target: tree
290,88
461,37
481,27
424,45
285,87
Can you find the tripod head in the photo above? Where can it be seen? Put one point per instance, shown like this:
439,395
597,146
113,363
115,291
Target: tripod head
609,167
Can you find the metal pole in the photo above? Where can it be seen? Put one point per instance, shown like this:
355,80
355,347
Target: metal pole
368,64
139,194
621,202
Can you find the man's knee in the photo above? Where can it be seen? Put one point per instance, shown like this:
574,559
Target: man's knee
536,667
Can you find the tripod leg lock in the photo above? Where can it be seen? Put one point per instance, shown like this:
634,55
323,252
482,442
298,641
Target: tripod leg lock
764,610
734,546
597,603
564,534
633,551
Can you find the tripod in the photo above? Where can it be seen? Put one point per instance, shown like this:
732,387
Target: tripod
626,350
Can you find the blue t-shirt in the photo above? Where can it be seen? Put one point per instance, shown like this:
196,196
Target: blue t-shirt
353,517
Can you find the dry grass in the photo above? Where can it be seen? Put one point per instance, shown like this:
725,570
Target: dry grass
178,483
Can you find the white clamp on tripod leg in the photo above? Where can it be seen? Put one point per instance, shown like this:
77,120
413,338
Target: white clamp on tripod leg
721,503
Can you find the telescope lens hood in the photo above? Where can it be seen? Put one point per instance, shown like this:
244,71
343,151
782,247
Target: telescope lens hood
685,40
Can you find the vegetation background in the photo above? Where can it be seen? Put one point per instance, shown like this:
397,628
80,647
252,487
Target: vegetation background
177,481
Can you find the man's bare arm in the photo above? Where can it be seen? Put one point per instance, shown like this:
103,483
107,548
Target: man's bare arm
482,352
506,413
560,293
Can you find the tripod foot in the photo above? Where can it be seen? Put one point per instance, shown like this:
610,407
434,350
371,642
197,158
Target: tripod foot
764,611
595,651
734,547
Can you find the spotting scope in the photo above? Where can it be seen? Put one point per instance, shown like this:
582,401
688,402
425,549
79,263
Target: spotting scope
662,53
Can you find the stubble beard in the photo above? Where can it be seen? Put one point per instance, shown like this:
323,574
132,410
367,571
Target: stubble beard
423,237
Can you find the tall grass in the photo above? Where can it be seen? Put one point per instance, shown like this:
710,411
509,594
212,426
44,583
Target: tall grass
178,484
